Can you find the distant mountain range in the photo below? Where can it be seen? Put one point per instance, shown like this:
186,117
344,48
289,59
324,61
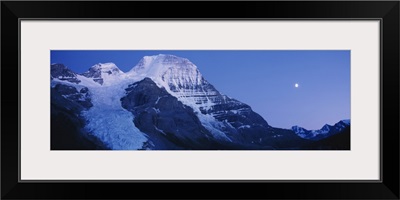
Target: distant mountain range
163,103
324,132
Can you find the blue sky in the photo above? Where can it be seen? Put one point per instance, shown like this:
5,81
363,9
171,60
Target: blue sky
263,79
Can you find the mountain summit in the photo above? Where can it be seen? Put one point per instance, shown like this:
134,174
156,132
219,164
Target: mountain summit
171,72
103,71
157,65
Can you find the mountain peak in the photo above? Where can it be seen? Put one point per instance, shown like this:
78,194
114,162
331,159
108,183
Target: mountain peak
102,68
299,129
102,72
326,126
105,67
346,121
58,65
169,71
168,59
157,65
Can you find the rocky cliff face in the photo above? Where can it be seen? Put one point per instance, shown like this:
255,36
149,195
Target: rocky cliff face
61,72
168,122
67,124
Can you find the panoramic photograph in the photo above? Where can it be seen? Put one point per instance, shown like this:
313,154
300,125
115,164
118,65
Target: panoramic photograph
200,99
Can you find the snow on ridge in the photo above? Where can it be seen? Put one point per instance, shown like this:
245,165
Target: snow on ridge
304,133
105,74
346,121
244,126
156,66
56,81
298,129
177,75
325,129
105,66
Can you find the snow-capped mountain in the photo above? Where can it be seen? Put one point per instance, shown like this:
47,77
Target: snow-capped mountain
104,73
163,102
324,132
179,77
224,117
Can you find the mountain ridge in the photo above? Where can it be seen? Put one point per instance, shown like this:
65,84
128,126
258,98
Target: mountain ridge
326,130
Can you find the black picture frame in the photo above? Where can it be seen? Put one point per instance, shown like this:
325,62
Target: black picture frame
386,11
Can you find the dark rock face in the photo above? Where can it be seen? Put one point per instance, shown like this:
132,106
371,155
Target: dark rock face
169,123
243,124
284,139
338,141
61,72
95,74
82,97
67,125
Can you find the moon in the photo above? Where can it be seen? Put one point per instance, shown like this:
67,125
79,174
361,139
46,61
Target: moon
296,85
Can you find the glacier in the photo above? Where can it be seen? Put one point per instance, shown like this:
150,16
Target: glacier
107,110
